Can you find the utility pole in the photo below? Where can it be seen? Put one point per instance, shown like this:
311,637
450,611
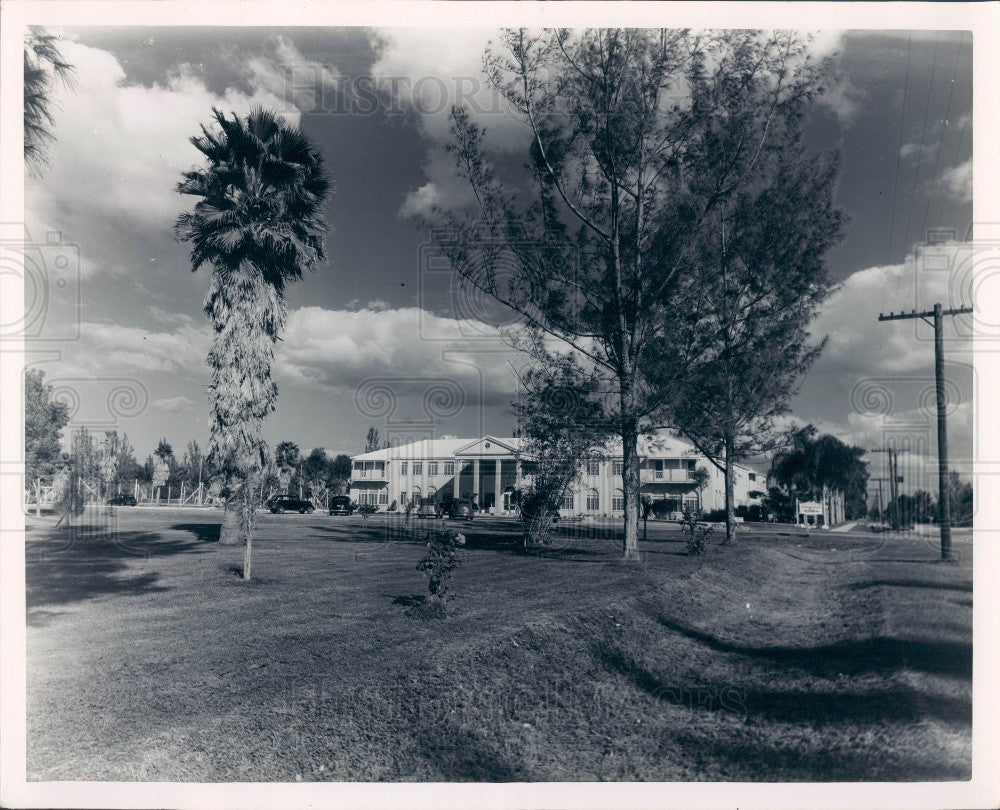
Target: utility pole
944,497
893,478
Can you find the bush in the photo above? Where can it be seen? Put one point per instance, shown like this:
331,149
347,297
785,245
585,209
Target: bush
715,516
696,534
439,561
367,509
660,508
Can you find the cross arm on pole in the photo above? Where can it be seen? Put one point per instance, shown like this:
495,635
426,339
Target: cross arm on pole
902,316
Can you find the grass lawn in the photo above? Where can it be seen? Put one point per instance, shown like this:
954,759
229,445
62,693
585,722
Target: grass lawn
835,657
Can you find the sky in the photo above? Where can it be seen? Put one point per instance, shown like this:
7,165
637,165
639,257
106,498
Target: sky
382,334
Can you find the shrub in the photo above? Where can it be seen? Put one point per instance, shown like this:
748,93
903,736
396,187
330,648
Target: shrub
696,534
439,561
367,509
660,508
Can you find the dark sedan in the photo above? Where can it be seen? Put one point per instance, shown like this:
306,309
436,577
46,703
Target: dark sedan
428,510
462,510
286,504
341,505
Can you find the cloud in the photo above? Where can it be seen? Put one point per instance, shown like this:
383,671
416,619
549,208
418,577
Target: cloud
286,73
429,71
421,202
106,349
917,151
957,182
406,347
119,153
859,342
178,403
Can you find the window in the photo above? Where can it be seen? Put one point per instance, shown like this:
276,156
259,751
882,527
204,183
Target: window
431,493
418,468
753,476
593,501
402,468
617,467
593,466
449,468
383,497
658,468
416,495
567,500
432,468
618,501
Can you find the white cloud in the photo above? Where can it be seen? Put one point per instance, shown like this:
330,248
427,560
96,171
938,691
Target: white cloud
859,342
179,403
120,151
343,349
430,70
286,73
958,182
106,348
420,203
917,150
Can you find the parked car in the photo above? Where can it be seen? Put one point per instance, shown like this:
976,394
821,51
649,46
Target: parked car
283,503
428,510
124,499
341,505
462,510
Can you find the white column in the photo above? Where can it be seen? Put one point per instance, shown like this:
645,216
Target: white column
475,483
497,489
458,473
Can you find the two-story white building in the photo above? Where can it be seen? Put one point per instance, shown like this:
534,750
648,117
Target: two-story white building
489,470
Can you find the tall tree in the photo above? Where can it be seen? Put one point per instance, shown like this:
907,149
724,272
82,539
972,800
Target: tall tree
764,252
638,139
258,224
340,474
44,69
371,439
316,471
287,458
110,456
811,462
193,464
44,420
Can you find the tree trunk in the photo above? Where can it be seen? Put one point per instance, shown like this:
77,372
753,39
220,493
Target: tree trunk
630,483
38,497
229,533
248,513
730,511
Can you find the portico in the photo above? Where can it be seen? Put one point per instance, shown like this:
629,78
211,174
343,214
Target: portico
488,468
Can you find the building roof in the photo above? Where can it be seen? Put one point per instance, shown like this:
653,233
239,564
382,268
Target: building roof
431,448
660,445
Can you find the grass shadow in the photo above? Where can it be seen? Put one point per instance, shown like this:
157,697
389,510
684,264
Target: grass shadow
93,563
852,657
204,532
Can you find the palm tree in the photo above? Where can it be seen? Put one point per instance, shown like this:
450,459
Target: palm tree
257,223
44,65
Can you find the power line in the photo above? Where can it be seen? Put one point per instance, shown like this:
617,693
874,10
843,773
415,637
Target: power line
899,148
937,157
923,134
